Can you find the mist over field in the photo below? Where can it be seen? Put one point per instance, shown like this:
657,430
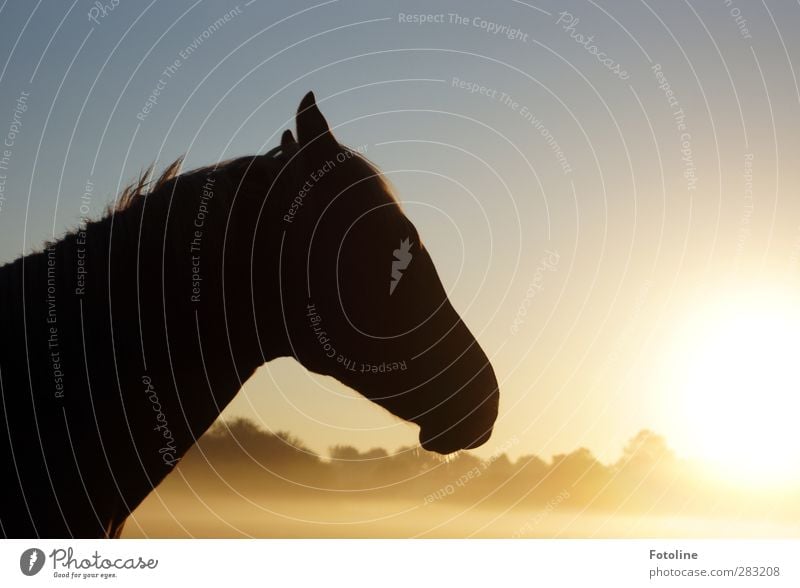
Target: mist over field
241,481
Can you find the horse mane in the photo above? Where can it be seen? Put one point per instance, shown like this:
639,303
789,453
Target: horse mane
144,184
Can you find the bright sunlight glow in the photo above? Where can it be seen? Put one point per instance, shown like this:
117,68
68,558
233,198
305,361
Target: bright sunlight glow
738,388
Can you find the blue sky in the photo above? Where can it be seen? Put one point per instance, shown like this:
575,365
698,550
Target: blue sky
639,249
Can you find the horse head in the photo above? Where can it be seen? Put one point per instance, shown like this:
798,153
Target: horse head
362,300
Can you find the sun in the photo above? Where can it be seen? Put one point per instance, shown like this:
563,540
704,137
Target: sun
736,377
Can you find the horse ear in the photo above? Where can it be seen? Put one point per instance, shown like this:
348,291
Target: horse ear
311,125
287,139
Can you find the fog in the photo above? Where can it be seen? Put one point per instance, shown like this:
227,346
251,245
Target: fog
239,481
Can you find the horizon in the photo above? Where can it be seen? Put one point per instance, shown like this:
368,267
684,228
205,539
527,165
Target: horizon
238,467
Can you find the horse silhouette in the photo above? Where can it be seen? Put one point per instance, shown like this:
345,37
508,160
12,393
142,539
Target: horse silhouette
123,341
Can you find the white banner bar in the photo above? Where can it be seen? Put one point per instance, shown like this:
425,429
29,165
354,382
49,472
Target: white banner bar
402,563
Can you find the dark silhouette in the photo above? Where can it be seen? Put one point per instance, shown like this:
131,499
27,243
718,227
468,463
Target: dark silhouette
122,342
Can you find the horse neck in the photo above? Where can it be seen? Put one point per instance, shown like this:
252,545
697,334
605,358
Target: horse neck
172,271
147,367
195,282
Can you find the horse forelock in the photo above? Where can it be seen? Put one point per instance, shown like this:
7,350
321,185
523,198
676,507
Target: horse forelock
370,169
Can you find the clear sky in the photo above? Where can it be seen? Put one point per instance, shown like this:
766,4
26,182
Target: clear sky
590,177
